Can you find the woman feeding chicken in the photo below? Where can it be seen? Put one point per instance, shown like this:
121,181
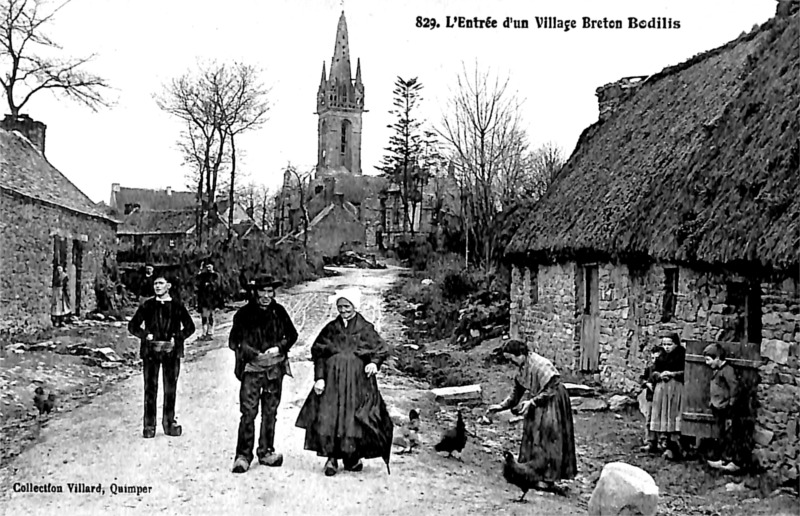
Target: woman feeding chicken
548,427
344,415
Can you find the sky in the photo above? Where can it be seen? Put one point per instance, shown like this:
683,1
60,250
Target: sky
140,45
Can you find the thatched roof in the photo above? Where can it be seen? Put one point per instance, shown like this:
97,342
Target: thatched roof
702,164
158,222
25,171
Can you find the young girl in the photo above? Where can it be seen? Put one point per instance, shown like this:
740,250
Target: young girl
646,401
665,419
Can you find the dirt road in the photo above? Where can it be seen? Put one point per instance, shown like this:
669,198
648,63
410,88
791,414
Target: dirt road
100,446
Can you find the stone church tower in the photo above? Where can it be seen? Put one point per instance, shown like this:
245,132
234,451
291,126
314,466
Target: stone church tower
340,102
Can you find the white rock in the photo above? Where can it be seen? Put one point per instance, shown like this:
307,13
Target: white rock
575,389
457,394
619,401
624,489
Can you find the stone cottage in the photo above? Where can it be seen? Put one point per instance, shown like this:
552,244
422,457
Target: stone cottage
679,210
45,221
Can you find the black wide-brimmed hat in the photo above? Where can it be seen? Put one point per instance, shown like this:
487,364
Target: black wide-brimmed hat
265,281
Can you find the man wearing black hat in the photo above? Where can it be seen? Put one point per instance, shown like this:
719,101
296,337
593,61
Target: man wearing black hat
261,336
167,324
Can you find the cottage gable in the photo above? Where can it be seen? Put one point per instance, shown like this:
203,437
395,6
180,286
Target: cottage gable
25,171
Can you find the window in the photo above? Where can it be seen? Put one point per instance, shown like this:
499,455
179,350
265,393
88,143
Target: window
589,288
345,131
670,300
171,242
533,294
745,300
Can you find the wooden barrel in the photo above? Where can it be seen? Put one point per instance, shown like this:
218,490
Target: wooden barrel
696,417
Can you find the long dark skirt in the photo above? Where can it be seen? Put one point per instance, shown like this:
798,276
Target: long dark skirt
549,430
332,428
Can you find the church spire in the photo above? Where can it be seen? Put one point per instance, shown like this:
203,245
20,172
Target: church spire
358,72
340,64
324,78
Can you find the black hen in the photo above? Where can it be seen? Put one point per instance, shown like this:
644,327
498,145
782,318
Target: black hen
44,403
453,439
524,475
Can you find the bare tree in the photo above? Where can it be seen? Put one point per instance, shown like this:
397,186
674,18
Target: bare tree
303,180
243,106
487,143
260,202
217,102
24,68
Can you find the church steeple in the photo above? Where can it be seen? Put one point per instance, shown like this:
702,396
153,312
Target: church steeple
340,63
340,103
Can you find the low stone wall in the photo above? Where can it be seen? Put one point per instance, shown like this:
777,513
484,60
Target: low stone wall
778,432
27,231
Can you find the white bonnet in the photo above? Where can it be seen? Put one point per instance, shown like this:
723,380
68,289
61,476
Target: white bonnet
352,294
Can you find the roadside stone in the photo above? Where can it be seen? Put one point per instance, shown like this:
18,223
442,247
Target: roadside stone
622,490
459,394
575,389
592,405
619,402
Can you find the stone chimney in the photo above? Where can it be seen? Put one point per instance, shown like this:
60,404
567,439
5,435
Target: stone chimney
169,190
329,182
787,8
30,128
611,95
115,187
338,199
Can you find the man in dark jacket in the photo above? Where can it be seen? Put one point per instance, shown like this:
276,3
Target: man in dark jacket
167,324
261,336
209,298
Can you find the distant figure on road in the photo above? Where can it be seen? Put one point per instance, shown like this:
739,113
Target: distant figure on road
344,415
209,298
167,324
145,288
60,308
262,335
548,422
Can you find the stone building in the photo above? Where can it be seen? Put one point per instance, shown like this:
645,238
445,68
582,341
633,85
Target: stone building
376,203
45,221
679,211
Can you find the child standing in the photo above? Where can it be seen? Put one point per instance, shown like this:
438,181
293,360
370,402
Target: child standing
726,405
646,401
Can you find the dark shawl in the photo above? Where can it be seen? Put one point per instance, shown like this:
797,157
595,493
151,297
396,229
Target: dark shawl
257,329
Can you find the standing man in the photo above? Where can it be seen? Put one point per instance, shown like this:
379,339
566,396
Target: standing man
261,336
167,324
208,297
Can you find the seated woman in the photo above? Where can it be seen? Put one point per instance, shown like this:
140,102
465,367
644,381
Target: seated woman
344,415
548,414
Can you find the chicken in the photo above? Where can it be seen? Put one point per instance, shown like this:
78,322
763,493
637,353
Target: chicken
409,437
529,475
524,475
453,439
44,404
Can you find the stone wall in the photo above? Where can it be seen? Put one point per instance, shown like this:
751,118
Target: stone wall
778,431
27,231
543,310
631,304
